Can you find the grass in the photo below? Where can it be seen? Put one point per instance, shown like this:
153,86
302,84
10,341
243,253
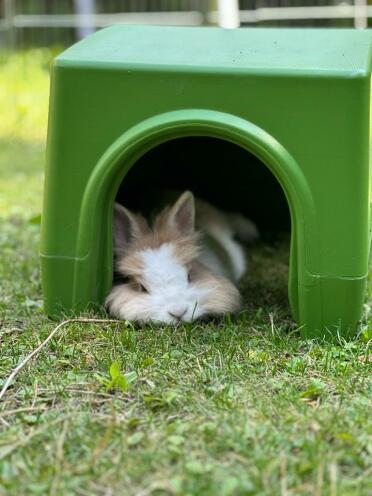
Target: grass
232,407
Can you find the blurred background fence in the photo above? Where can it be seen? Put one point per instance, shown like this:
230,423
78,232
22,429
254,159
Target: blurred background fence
25,23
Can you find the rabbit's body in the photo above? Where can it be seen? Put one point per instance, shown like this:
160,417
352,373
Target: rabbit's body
220,251
172,271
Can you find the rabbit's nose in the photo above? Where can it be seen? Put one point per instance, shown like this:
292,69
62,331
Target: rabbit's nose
177,312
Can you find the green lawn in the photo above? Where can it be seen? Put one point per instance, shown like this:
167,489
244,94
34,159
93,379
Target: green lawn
234,407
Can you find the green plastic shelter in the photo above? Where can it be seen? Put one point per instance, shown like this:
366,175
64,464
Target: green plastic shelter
276,120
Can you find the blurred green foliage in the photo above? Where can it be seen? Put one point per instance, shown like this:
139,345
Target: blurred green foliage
24,90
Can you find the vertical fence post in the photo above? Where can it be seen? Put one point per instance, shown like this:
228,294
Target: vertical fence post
85,8
360,14
9,11
228,14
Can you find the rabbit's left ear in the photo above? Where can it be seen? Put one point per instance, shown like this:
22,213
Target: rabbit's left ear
127,228
182,214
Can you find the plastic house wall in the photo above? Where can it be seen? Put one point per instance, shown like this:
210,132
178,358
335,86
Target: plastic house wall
298,100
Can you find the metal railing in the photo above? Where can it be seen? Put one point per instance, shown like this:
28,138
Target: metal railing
76,18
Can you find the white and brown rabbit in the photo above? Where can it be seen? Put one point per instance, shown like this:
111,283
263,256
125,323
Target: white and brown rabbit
182,268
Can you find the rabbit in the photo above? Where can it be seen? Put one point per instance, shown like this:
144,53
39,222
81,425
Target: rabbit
184,268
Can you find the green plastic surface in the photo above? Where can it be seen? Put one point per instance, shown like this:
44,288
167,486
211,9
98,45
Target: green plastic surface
299,100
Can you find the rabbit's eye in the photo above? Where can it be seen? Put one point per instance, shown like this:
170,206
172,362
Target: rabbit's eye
140,288
189,276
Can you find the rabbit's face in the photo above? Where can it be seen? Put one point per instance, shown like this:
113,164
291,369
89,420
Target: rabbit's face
164,282
162,290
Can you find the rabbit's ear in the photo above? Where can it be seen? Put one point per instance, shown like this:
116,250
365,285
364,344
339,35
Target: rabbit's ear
126,228
182,214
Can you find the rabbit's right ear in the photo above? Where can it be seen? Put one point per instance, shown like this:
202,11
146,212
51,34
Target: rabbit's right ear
126,228
182,214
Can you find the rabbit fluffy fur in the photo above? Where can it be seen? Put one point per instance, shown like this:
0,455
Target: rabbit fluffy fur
184,267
